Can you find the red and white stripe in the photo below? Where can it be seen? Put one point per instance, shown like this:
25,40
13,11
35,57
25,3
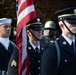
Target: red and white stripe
26,12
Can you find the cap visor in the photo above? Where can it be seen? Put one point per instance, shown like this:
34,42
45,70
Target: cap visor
71,21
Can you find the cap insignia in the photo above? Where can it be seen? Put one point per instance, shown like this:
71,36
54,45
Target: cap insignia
13,63
75,11
38,20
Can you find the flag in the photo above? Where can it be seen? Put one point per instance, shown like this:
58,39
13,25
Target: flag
16,6
25,13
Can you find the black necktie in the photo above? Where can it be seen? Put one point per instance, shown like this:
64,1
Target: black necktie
37,53
73,45
36,49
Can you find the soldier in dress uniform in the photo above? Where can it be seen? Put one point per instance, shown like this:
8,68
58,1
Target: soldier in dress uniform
67,22
34,48
6,45
49,33
34,32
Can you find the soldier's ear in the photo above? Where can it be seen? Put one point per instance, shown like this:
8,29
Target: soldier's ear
27,32
61,24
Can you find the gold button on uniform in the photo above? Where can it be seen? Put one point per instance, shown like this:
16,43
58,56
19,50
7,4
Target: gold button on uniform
39,68
38,61
65,60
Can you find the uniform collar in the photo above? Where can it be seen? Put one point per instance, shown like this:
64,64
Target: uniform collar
35,46
68,39
5,42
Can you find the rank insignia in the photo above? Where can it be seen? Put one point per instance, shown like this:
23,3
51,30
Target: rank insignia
29,48
13,63
64,43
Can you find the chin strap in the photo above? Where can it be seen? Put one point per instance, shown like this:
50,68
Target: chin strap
34,36
67,27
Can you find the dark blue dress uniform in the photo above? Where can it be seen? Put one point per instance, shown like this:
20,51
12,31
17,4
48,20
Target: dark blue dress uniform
67,62
35,57
6,45
13,63
49,60
35,60
5,55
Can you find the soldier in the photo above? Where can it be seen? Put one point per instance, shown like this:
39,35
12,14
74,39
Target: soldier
49,33
67,66
6,45
34,31
34,48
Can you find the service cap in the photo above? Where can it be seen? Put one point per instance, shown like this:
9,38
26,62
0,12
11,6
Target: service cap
5,21
68,14
35,24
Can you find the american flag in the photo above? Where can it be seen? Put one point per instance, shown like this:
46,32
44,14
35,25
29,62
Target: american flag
25,13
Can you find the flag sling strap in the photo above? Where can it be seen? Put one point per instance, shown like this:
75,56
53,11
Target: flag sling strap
58,53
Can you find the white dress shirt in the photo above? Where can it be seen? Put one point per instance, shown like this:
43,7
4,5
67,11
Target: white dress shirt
35,47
